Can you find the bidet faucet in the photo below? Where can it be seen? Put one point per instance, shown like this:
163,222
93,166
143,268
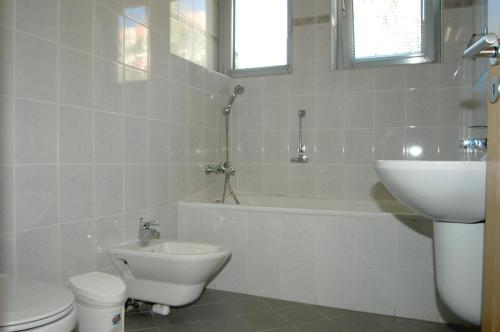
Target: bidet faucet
148,230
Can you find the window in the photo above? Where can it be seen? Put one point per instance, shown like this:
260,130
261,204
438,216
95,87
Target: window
194,31
257,37
385,32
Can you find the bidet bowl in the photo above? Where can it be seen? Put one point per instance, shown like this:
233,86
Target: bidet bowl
168,272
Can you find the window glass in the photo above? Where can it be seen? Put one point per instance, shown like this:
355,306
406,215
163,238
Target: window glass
260,33
367,33
387,28
194,31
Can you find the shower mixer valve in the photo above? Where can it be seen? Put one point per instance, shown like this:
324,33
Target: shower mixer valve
222,168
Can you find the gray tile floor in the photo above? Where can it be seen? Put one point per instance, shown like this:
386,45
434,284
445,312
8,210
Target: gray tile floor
218,311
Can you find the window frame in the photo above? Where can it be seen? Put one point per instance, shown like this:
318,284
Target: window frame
226,45
340,23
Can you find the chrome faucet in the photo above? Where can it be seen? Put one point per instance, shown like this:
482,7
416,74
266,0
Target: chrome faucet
148,230
222,168
474,144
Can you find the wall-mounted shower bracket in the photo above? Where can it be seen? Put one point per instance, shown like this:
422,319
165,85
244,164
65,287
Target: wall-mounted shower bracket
302,157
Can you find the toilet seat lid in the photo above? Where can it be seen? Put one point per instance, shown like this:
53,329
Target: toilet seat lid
26,301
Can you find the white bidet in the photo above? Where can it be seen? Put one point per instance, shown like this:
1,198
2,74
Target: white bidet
168,272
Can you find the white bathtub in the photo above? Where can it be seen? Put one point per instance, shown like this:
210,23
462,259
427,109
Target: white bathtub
366,255
319,205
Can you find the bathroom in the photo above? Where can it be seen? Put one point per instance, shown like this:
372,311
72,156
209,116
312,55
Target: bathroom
116,110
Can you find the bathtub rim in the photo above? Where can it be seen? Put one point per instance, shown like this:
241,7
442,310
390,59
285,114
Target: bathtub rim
294,210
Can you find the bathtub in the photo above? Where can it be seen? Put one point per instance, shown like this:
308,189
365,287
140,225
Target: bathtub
366,255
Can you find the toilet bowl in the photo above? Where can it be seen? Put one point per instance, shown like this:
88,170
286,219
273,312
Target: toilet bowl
35,306
171,273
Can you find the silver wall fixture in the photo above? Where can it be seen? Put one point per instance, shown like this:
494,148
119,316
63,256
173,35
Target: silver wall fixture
302,157
485,47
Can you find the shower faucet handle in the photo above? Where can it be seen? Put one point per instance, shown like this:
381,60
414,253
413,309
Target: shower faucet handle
221,168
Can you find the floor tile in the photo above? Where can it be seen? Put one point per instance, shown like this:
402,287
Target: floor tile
176,316
277,304
226,324
289,328
300,314
189,327
250,305
332,312
217,296
264,321
363,322
220,311
139,321
321,326
212,311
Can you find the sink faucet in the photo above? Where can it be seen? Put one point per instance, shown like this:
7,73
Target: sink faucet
148,230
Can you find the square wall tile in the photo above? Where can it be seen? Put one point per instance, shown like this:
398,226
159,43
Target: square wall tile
108,86
35,67
298,280
376,241
263,275
7,13
75,86
264,232
109,232
200,224
136,140
36,196
233,277
7,55
231,229
108,141
109,27
78,249
136,187
135,92
75,200
8,250
335,284
38,254
7,202
389,109
35,132
38,18
416,295
76,21
298,236
375,289
75,135
159,148
6,130
158,98
158,186
336,238
108,190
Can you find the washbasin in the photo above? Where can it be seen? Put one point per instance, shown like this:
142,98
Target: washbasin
452,191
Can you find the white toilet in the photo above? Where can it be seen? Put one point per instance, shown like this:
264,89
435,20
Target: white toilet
35,306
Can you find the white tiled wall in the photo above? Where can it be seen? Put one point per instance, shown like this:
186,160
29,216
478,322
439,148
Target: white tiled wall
353,116
380,263
89,143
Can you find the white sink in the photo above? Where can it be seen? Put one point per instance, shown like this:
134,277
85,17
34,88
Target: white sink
453,191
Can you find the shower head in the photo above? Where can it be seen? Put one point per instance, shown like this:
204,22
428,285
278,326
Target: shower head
238,90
